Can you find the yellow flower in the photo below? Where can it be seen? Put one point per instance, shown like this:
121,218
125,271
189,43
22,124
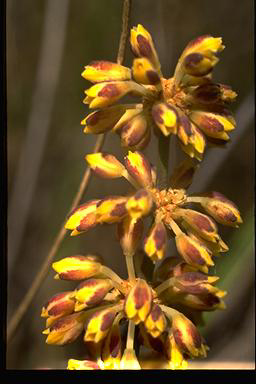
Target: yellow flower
189,104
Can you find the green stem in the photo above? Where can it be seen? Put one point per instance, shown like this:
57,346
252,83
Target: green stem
163,159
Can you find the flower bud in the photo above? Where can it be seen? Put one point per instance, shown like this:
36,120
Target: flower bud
132,129
82,218
103,120
155,343
139,168
138,302
111,209
105,165
58,306
98,71
82,365
91,292
139,204
77,267
155,244
65,330
144,72
165,117
213,124
112,348
129,233
202,302
142,45
187,337
104,94
193,253
201,223
197,283
196,64
207,93
129,360
221,209
206,45
99,324
155,323
182,175
174,354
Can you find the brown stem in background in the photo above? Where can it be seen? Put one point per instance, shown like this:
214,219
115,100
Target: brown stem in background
21,310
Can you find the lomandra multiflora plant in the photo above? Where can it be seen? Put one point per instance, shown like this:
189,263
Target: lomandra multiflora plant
159,310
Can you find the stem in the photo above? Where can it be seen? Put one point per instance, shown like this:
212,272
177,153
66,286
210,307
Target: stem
194,199
176,229
26,301
130,268
131,180
163,158
130,335
165,285
117,281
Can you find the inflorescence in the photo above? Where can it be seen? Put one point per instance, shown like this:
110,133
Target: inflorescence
164,309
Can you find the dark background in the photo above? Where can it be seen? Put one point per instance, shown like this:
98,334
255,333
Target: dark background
48,45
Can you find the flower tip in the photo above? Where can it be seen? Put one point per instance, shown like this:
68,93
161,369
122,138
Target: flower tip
56,277
44,312
46,331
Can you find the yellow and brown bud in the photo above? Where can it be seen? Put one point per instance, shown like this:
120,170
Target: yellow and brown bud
59,305
182,175
144,72
155,244
202,224
142,45
139,168
156,322
207,93
165,117
155,343
82,365
213,124
103,120
77,267
129,360
193,252
99,324
187,337
203,302
91,292
82,218
133,129
129,233
197,64
138,302
99,71
104,94
111,209
112,348
221,209
65,330
105,165
206,45
175,356
139,204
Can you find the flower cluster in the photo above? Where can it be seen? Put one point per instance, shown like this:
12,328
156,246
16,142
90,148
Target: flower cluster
189,104
165,309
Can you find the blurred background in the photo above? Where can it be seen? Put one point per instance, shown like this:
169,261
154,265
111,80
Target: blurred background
48,44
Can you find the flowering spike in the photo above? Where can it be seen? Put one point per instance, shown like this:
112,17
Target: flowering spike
156,322
92,291
155,244
129,233
105,165
82,365
99,324
139,168
98,71
65,330
103,120
58,306
140,204
166,118
193,252
138,302
142,45
111,209
77,267
144,72
82,218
